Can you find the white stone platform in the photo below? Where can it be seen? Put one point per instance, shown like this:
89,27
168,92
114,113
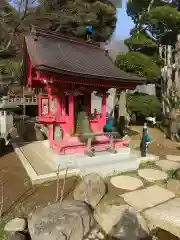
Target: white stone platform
42,163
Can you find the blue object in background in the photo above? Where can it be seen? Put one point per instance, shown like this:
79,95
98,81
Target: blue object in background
89,29
109,124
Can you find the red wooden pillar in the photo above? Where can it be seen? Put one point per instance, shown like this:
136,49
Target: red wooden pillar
71,112
103,111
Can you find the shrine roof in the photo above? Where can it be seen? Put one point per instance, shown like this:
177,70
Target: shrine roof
62,55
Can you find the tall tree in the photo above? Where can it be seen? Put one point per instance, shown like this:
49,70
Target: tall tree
72,16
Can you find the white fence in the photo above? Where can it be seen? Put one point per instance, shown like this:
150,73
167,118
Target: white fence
26,100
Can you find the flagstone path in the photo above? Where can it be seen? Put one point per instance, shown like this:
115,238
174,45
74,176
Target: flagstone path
167,165
159,204
126,182
152,175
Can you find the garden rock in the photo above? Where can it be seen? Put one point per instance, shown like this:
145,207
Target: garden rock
91,189
121,222
177,174
30,132
15,225
67,220
18,236
174,186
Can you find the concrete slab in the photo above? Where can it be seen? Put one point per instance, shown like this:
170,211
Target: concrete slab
175,158
152,175
148,197
167,165
44,161
166,216
126,182
38,179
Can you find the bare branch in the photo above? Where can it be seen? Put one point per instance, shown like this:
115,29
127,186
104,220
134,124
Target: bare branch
24,15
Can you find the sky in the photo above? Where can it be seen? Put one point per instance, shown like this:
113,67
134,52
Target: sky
124,23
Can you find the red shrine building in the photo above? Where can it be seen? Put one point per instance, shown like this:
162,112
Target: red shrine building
65,72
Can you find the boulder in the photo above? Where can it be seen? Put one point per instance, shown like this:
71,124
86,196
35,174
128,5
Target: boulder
12,133
16,224
174,186
91,189
121,222
18,236
67,220
177,174
30,132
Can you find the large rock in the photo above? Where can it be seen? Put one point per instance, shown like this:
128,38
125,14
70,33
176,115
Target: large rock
174,186
16,224
177,174
70,220
121,222
30,132
165,216
12,133
18,236
91,189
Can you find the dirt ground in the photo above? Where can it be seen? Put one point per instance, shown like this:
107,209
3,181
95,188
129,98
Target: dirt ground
21,198
159,145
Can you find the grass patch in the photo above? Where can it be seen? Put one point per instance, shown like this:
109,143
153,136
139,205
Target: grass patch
129,173
112,199
148,164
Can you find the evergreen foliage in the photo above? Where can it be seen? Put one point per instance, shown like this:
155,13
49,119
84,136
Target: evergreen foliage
143,104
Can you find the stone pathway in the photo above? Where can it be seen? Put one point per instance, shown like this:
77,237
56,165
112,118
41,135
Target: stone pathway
148,197
126,182
173,158
152,175
166,216
167,165
159,205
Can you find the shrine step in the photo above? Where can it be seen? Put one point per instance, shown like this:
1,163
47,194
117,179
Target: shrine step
111,169
110,164
104,163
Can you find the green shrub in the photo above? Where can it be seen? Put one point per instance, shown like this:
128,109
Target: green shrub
143,104
138,64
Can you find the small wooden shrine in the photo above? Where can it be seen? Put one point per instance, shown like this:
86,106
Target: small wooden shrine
66,71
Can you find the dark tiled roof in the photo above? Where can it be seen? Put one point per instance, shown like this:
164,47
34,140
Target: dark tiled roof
67,56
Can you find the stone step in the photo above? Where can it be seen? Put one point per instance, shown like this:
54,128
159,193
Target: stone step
111,168
47,154
100,158
35,159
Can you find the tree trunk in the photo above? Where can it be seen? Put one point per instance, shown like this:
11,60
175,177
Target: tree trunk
122,104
